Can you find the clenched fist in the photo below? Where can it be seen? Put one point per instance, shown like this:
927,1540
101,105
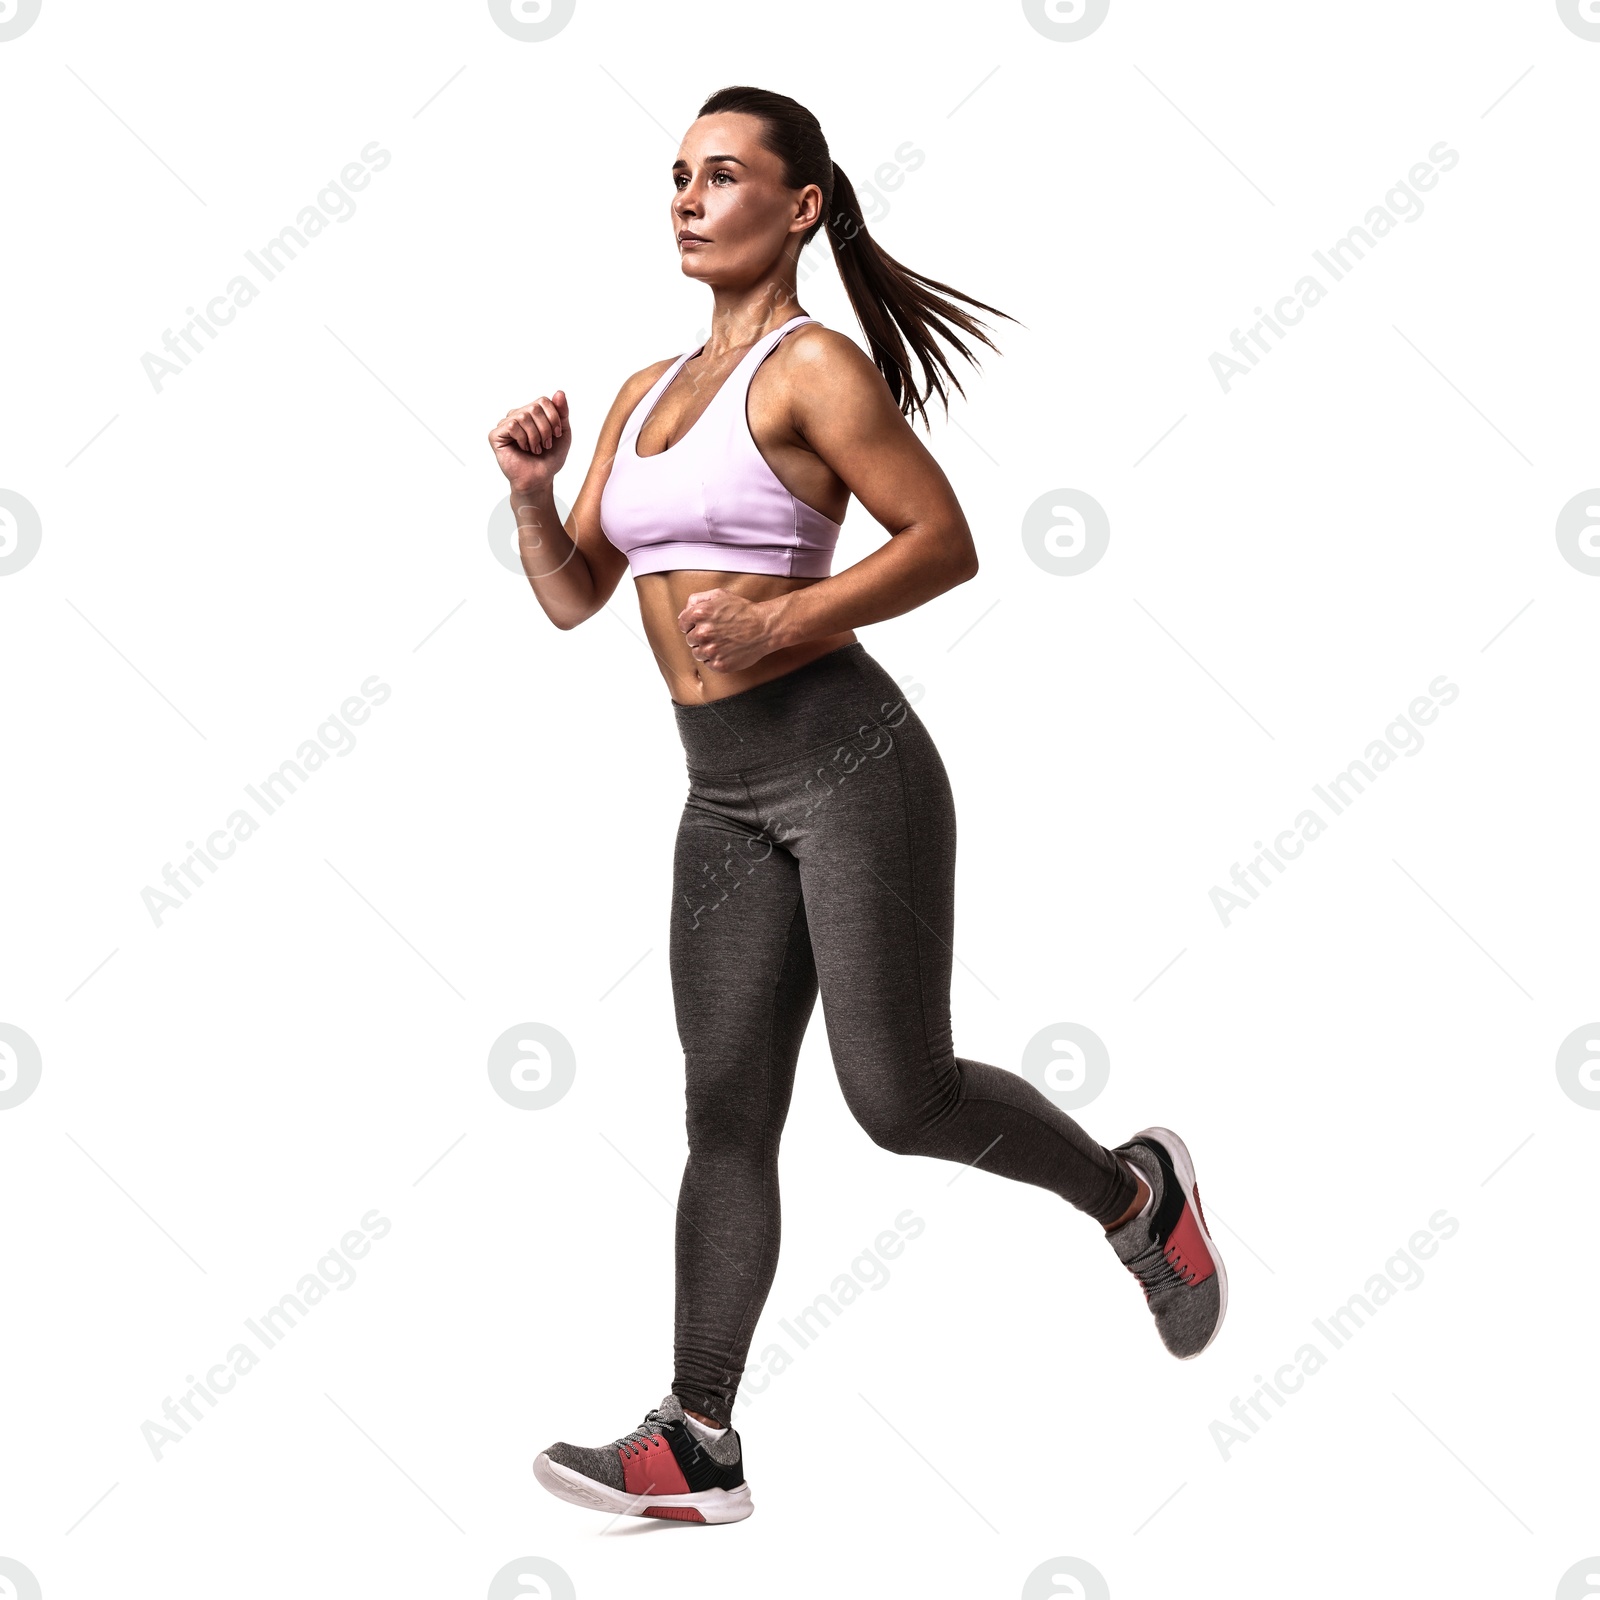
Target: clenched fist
725,631
531,442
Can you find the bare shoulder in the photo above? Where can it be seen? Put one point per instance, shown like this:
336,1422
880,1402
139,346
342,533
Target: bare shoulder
816,353
827,374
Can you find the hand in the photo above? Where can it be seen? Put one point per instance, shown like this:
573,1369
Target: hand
531,442
725,631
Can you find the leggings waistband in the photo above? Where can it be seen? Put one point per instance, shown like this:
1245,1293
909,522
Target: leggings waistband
833,696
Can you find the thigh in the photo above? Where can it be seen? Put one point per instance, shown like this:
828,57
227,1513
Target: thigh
877,864
743,981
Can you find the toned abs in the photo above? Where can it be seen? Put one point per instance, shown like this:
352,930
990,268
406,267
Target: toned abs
662,595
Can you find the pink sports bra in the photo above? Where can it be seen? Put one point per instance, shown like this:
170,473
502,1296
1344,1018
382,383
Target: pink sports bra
710,501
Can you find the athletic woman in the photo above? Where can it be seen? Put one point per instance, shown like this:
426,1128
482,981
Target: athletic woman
817,845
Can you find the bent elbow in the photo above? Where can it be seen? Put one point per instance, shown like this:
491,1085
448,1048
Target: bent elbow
961,554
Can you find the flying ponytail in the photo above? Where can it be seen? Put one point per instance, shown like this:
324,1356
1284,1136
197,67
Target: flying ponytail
895,306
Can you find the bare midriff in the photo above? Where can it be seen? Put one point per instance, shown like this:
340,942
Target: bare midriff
662,595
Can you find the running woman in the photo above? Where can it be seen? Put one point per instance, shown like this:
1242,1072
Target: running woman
816,850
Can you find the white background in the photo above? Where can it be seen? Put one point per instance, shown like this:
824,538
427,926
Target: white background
307,505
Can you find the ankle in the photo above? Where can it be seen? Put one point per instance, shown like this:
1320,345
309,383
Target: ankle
1135,1206
710,1422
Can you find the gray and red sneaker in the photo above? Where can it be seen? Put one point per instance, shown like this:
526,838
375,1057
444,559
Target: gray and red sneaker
661,1469
1169,1249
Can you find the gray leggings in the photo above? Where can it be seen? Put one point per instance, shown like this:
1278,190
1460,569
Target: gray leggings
817,848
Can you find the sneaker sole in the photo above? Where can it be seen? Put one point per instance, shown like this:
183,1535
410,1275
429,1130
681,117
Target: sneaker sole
709,1505
1183,1166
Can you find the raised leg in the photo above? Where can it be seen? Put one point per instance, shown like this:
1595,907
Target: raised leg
875,838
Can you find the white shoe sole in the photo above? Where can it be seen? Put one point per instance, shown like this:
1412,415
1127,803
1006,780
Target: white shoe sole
714,1505
1183,1165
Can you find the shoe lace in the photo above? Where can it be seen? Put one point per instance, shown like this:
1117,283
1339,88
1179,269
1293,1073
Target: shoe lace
639,1438
1154,1269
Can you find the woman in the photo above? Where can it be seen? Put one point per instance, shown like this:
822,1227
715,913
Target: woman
817,845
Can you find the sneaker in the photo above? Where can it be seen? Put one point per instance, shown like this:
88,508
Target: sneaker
1169,1248
661,1469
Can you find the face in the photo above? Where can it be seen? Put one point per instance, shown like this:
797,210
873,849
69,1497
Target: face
729,193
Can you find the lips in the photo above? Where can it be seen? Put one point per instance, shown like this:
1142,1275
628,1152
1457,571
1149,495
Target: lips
692,238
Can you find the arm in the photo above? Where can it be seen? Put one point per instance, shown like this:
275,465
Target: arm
573,568
842,409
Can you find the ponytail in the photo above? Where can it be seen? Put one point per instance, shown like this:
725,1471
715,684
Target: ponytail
895,306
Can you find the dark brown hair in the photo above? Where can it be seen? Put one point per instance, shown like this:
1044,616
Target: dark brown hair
890,300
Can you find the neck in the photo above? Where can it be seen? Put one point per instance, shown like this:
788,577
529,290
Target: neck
739,319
